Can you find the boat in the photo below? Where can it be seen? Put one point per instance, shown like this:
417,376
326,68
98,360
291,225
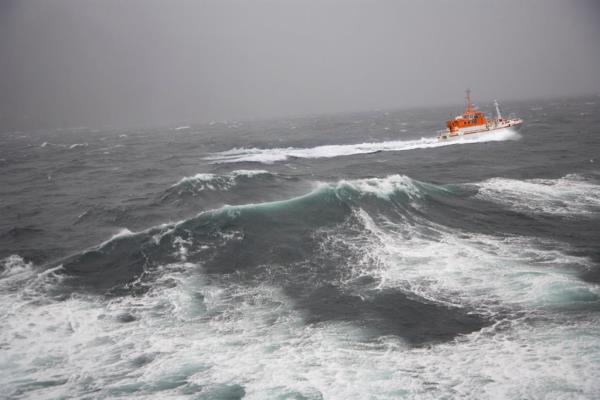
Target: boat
473,123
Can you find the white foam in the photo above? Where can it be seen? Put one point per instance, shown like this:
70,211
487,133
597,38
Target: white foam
249,172
193,329
21,278
198,332
201,177
269,156
46,144
567,195
382,187
475,270
14,265
75,145
121,234
379,187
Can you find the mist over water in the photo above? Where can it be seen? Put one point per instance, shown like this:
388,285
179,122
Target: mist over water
100,63
343,256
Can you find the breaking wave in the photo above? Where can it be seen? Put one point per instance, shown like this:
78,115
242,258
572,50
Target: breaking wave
217,188
391,228
269,156
14,265
483,272
328,297
285,224
207,181
569,195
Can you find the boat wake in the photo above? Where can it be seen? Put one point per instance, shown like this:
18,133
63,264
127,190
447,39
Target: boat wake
269,156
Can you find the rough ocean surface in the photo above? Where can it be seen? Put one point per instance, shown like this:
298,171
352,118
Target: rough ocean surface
331,257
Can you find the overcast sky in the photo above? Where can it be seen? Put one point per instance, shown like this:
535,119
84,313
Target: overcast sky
121,62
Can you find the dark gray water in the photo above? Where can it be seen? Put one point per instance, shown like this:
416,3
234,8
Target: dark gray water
346,256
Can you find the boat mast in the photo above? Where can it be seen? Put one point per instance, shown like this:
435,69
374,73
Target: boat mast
497,109
469,107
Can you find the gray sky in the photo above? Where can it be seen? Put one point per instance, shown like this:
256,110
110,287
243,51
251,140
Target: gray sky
120,62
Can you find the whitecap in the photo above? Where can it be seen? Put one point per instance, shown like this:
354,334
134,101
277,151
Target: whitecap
383,187
203,181
569,195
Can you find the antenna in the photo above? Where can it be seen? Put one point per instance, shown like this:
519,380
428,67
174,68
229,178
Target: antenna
497,109
469,107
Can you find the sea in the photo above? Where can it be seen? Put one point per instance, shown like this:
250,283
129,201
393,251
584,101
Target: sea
346,256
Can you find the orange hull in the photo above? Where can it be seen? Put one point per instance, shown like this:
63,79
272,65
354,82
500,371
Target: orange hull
472,121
